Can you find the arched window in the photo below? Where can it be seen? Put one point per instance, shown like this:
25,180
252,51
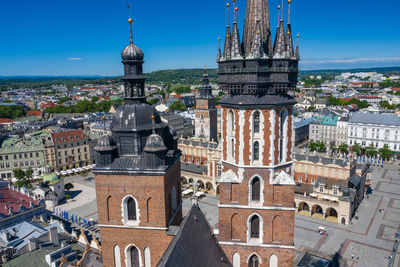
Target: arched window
131,209
147,257
256,122
254,261
230,122
275,229
255,189
108,205
117,256
255,227
236,260
283,135
256,151
148,209
133,257
235,226
273,261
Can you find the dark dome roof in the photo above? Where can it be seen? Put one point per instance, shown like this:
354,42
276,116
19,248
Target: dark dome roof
105,143
155,143
132,52
130,117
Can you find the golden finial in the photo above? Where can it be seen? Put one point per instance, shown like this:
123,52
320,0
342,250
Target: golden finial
228,5
279,7
130,20
234,1
219,38
227,35
298,35
258,32
289,1
236,9
153,117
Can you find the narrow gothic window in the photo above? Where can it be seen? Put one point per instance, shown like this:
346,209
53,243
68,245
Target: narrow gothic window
256,149
255,227
256,122
283,135
117,256
232,148
253,261
134,256
255,189
131,209
108,207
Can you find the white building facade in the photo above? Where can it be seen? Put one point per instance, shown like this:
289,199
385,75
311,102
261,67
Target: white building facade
375,129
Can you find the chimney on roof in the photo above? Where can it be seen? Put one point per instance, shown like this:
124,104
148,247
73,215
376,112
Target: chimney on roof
53,236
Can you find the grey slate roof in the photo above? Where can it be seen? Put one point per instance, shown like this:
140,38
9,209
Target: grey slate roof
380,119
193,168
324,160
257,100
194,245
204,144
356,180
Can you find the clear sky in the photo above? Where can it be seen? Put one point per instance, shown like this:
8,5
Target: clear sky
85,37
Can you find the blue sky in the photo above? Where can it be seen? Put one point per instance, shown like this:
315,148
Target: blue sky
85,37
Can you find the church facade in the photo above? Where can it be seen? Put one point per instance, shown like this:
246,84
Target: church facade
138,172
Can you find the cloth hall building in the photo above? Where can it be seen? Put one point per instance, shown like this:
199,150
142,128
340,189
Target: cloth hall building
138,172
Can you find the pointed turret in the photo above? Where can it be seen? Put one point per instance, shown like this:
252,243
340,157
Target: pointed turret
228,36
297,48
236,49
289,41
289,38
280,41
257,49
257,10
219,55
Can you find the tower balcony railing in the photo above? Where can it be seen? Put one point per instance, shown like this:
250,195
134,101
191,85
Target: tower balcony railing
257,70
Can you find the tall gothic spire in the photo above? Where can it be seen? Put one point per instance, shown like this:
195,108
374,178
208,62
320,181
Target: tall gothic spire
257,10
228,42
236,51
280,41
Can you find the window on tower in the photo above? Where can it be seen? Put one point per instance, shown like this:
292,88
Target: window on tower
256,122
255,189
256,151
130,211
231,122
254,261
255,227
283,135
232,148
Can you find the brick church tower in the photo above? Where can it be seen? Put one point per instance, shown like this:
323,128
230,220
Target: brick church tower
206,113
256,208
137,177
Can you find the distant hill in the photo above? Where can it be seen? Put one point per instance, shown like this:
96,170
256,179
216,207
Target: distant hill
179,76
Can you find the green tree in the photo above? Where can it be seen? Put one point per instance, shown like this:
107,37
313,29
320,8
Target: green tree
23,178
153,101
357,148
344,148
178,106
321,147
64,99
68,186
310,109
312,145
371,151
385,152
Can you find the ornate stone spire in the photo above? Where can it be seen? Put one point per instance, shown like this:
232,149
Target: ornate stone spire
289,38
236,48
257,10
219,55
257,49
280,41
228,36
297,47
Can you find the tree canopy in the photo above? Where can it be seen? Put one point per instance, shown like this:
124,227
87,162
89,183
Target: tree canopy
23,178
12,112
178,106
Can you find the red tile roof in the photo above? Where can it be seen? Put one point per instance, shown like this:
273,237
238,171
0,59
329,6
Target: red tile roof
73,135
37,113
6,120
14,199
